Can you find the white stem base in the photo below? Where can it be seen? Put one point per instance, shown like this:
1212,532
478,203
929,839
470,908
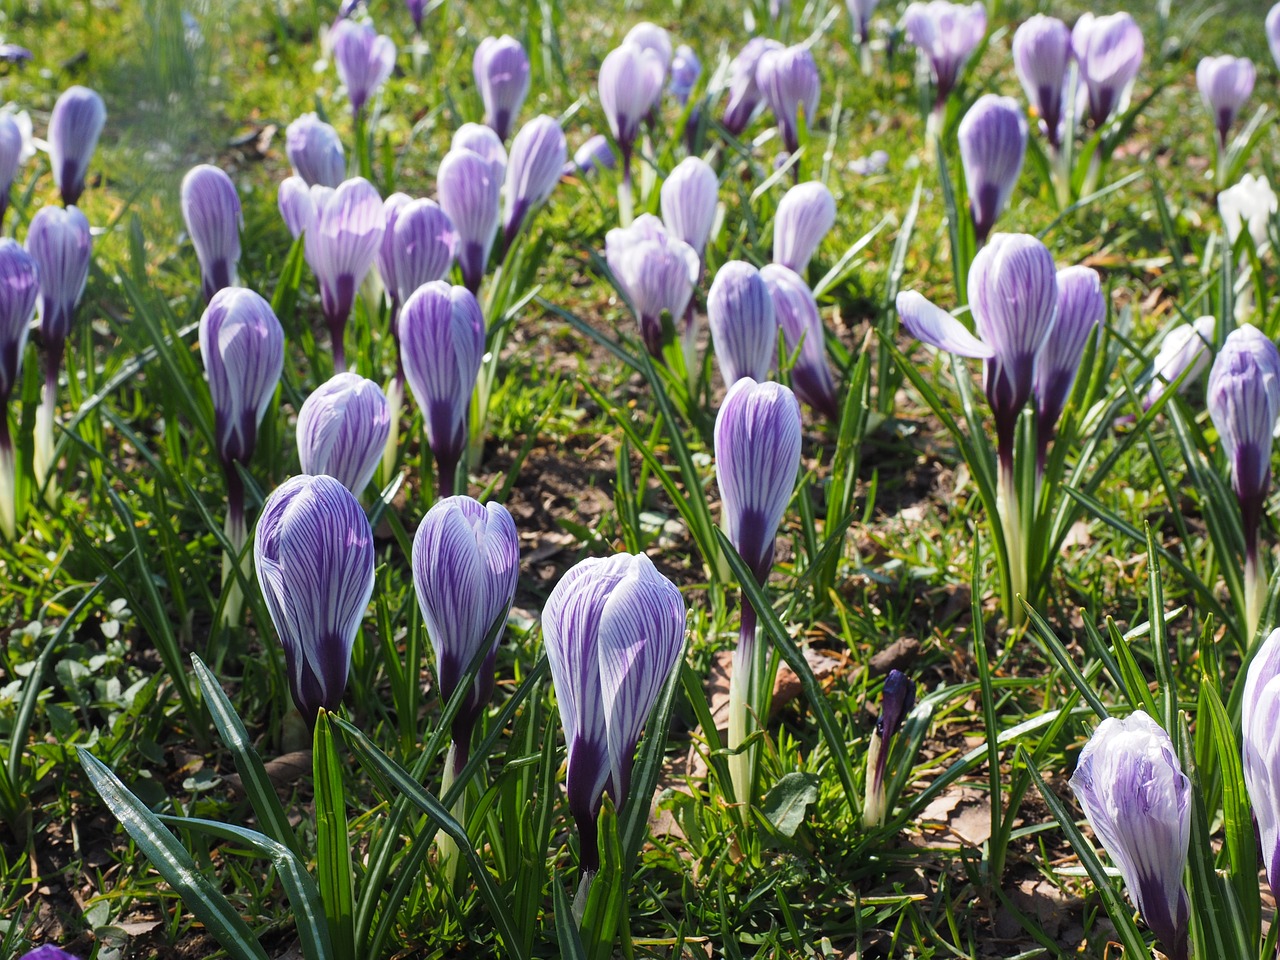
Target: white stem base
874,801
1011,523
395,400
43,461
237,534
740,686
1255,598
447,853
8,493
580,898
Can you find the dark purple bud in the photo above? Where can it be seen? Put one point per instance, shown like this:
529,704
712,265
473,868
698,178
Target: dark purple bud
315,151
945,33
364,59
797,313
470,191
805,214
1041,55
12,53
1109,52
391,208
342,430
211,209
417,8
501,71
993,143
788,81
860,12
533,170
48,952
74,127
744,92
1225,84
744,330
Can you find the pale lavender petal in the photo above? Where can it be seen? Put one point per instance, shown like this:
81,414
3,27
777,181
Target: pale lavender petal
211,210
342,430
932,325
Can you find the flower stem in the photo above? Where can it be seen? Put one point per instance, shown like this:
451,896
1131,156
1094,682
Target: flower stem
395,401
447,848
626,202
741,696
43,462
8,478
237,533
1255,586
1011,524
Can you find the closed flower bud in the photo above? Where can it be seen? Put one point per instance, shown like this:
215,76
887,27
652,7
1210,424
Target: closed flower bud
1183,349
594,154
533,170
993,143
1081,307
945,33
651,37
74,127
1138,801
805,213
788,81
19,286
315,151
1259,720
15,150
630,83
364,59
242,346
685,70
481,140
314,555
1109,52
757,447
1249,205
470,191
1041,54
211,210
441,345
59,242
860,12
417,9
896,701
689,198
1225,84
797,313
655,271
613,630
342,430
425,244
501,70
744,91
391,208
297,208
744,330
466,560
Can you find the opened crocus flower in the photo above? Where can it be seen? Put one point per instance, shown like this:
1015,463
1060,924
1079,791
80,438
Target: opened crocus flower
1225,84
61,246
342,430
315,151
1081,307
655,271
594,154
364,60
744,91
19,286
1244,401
74,127
613,631
788,81
1138,801
314,554
945,33
805,214
470,192
689,197
442,342
896,701
1259,720
16,149
1183,349
744,330
211,210
501,70
685,70
1109,52
797,312
630,83
1041,55
993,143
533,170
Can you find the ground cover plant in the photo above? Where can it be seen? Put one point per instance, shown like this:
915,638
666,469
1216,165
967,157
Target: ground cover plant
513,480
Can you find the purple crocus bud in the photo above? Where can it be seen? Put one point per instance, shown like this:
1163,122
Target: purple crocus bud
441,345
19,285
1225,84
896,701
860,12
613,630
481,140
1081,307
1273,32
211,210
1183,349
655,271
1041,54
689,198
15,149
314,555
315,151
48,952
425,245
744,91
470,191
417,9
342,430
945,33
391,208
466,561
61,246
12,53
297,208
533,170
501,70
1138,801
630,83
805,214
242,345
757,447
341,248
364,60
651,37
788,81
1109,51
993,143
594,154
1260,718
797,313
74,127
685,70
744,330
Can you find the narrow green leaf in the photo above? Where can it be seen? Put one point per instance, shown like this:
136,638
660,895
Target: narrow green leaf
333,843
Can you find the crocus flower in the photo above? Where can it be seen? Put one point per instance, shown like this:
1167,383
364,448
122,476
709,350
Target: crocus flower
630,83
470,191
211,210
744,91
364,60
15,150
501,70
1250,204
1225,84
1273,32
860,12
1259,720
74,127
481,140
744,330
1183,349
297,208
896,701
788,82
1081,307
805,213
685,70
342,430
442,335
424,245
314,555
1041,54
689,197
993,143
315,151
797,313
533,169
466,560
48,952
613,630
1109,51
594,154
1138,801
945,33
386,261
651,37
655,271
19,286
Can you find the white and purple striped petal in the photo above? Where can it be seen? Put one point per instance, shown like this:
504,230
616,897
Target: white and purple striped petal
342,430
1260,740
744,329
806,213
1109,51
364,60
211,210
1081,307
501,70
946,34
538,155
789,84
629,85
74,127
341,247
689,197
1225,84
655,271
19,287
993,143
744,91
1041,55
60,244
425,244
315,151
797,314
470,192
1184,348
930,324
